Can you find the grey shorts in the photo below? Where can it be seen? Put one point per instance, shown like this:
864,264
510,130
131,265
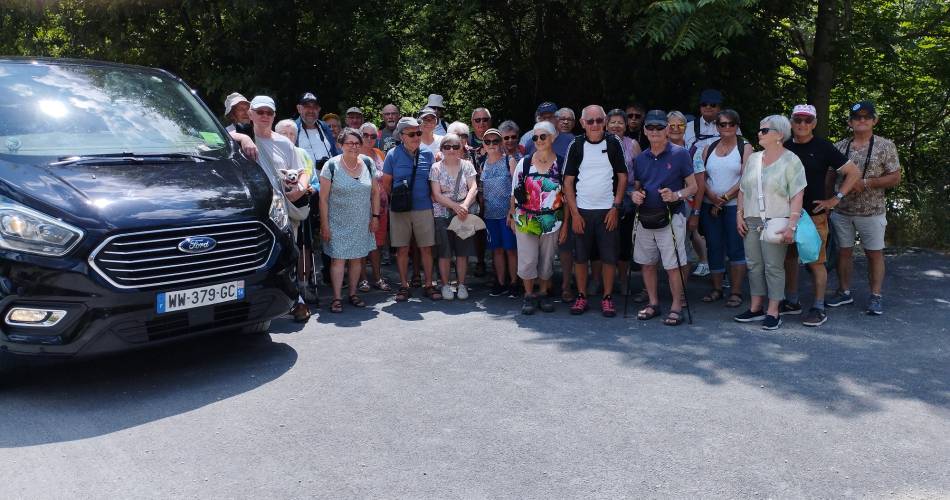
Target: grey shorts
404,225
596,240
449,245
655,245
870,229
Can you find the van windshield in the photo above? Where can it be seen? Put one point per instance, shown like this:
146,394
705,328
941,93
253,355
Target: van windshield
65,110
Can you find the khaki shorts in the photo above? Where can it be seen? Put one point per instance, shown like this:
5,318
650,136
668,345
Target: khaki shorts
652,245
870,228
821,224
403,226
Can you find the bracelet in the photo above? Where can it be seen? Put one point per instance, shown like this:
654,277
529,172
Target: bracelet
865,181
695,211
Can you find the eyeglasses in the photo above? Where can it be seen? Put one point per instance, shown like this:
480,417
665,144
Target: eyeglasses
428,118
634,116
352,143
725,124
370,136
265,112
455,147
803,119
655,128
565,119
509,137
677,126
591,121
417,133
540,137
765,130
484,119
708,105
492,142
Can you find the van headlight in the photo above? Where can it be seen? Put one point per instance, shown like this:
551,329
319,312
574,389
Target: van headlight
23,229
278,211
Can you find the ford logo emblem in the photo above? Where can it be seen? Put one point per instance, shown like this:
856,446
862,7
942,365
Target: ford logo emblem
197,244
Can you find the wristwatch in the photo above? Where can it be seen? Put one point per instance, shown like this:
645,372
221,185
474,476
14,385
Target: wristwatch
679,195
695,211
839,195
376,215
618,205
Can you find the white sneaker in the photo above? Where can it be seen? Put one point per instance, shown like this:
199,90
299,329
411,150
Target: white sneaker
447,293
702,269
462,292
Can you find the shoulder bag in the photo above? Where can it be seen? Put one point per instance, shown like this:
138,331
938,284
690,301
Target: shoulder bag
400,200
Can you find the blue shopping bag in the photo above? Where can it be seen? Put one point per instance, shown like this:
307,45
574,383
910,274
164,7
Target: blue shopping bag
807,239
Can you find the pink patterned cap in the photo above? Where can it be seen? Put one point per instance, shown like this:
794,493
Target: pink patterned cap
805,109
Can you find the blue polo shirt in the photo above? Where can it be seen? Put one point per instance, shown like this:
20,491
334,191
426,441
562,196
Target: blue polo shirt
399,165
669,170
561,144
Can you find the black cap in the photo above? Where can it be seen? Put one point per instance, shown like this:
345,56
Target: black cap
867,106
308,97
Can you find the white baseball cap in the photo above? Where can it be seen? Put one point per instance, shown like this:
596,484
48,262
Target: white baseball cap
262,101
804,109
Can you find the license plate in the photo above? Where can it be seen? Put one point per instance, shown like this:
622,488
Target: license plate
197,297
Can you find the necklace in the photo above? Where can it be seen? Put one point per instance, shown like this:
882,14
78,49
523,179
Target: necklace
352,170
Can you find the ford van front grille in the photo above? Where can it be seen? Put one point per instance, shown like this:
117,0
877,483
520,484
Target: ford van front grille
149,259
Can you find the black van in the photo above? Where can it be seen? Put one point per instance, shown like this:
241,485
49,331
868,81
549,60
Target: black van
128,217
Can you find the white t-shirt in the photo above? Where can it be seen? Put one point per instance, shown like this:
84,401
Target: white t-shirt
314,143
432,147
595,178
277,153
722,172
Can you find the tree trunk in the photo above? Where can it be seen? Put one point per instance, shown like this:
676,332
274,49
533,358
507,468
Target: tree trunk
821,72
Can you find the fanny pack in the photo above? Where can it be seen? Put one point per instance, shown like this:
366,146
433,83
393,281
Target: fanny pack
658,218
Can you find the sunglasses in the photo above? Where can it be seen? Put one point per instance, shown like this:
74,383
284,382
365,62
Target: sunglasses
708,105
677,126
634,116
655,128
726,124
370,136
509,137
765,130
492,142
454,147
539,137
803,119
265,112
592,121
417,133
481,120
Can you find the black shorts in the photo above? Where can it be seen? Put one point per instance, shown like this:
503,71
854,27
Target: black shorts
597,238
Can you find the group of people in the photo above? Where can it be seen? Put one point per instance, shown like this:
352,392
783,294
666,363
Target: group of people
634,185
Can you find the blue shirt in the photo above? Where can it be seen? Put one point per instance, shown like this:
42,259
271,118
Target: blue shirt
399,165
668,170
561,143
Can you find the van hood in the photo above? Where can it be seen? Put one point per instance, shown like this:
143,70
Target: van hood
140,195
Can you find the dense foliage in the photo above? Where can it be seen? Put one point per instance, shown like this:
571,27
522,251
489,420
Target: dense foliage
509,55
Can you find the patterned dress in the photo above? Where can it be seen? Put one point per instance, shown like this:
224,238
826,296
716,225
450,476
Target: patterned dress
349,207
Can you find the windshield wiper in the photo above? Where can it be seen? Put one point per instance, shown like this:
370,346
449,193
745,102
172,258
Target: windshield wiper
113,158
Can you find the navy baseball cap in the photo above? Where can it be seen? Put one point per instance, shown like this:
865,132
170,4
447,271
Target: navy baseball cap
308,97
546,107
866,106
711,96
656,117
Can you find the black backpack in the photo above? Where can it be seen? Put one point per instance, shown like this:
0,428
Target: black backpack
740,143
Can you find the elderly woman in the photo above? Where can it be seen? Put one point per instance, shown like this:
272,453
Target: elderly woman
767,212
496,182
471,154
677,135
370,135
722,162
350,200
333,120
510,133
617,125
453,192
430,140
536,215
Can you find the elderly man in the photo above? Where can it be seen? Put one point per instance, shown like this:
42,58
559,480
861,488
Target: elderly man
236,108
438,104
703,131
548,111
566,121
354,118
313,135
821,159
862,211
595,177
387,129
407,166
481,121
276,153
664,178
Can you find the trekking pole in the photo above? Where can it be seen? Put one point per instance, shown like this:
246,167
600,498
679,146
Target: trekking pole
633,246
679,264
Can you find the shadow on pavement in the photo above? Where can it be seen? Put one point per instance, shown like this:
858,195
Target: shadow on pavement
76,399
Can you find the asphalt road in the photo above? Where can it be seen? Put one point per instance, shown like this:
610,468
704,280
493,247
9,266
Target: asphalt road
473,400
